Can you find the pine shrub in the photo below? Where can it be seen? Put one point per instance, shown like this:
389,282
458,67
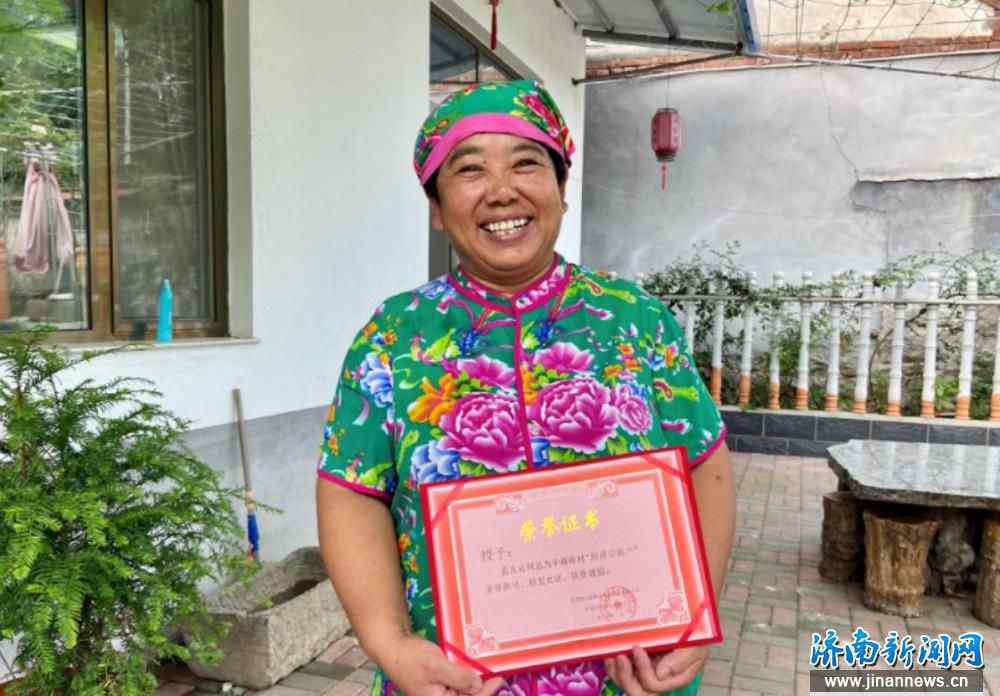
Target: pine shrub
108,527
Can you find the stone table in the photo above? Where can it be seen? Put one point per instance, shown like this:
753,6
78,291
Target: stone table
940,476
945,481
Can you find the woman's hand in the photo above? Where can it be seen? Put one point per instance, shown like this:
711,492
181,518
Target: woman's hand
638,675
358,541
418,667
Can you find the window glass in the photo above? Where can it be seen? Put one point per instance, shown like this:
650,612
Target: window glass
43,221
160,155
491,72
453,58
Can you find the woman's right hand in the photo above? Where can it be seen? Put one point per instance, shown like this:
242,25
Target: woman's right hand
418,667
358,540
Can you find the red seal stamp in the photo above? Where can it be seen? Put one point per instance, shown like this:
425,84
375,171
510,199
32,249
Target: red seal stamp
618,603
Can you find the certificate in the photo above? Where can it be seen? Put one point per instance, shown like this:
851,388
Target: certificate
569,563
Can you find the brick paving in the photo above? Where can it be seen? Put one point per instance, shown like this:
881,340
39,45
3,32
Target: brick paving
773,600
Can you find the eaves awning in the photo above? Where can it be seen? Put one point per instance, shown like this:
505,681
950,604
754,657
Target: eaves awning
709,25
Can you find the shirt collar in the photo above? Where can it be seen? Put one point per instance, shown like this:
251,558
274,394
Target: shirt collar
540,291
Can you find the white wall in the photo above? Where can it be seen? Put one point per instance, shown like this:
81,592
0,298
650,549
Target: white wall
810,168
326,216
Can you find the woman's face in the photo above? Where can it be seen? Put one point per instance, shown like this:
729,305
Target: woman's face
501,206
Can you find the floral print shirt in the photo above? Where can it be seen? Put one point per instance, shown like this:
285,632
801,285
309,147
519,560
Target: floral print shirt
454,380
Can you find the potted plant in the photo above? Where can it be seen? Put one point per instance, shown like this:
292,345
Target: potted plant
108,526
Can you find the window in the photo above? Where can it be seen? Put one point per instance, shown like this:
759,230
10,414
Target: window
111,166
457,61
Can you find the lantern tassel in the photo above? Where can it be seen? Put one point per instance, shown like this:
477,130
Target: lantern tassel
493,25
663,176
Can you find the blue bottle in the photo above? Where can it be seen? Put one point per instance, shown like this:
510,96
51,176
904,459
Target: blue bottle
165,320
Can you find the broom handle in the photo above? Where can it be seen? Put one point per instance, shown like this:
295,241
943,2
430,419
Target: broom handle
248,484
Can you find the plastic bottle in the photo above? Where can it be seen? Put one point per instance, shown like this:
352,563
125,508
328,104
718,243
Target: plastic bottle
165,320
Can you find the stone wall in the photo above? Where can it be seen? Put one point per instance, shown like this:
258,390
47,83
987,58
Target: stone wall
808,434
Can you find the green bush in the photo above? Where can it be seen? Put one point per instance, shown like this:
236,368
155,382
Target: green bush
108,525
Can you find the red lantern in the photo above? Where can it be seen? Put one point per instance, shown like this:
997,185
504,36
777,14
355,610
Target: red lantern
666,138
493,23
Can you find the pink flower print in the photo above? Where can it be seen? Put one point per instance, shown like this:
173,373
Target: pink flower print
564,357
484,428
673,610
517,685
480,640
483,368
534,102
632,411
567,141
679,426
583,679
575,413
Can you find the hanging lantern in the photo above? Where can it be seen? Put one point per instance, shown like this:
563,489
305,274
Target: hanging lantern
493,23
666,139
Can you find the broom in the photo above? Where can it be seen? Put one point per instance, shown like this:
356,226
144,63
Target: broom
253,532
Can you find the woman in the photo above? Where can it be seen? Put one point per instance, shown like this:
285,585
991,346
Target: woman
517,360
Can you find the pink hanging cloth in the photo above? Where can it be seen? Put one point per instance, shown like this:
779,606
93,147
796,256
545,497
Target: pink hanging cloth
43,213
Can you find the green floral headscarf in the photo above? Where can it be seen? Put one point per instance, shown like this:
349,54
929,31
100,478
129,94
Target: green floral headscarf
521,107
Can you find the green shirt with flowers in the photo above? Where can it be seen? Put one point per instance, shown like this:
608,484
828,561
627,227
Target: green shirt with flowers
453,380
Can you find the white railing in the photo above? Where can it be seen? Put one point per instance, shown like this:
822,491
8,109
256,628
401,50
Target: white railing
899,313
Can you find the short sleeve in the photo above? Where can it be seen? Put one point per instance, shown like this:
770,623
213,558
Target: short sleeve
687,414
357,450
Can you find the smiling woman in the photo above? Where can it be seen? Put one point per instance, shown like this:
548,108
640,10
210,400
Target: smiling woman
493,160
516,360
501,205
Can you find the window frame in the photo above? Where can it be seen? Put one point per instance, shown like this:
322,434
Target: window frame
482,50
102,207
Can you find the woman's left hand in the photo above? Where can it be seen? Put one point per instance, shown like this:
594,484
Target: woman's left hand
638,675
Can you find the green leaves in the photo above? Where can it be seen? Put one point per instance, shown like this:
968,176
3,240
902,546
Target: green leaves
108,525
564,455
617,445
470,469
722,269
409,440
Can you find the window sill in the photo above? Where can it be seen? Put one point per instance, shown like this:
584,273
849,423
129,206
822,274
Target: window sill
153,346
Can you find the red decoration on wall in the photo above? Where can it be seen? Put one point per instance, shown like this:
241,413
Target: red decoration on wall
665,136
493,30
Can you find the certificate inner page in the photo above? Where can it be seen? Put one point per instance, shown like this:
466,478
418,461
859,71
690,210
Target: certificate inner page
587,556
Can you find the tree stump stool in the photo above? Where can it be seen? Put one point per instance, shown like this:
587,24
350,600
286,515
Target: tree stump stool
896,548
843,536
951,555
987,607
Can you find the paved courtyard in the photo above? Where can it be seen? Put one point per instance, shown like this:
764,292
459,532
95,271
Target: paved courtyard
774,599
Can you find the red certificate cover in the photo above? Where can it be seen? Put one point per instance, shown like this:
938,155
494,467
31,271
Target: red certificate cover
569,563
